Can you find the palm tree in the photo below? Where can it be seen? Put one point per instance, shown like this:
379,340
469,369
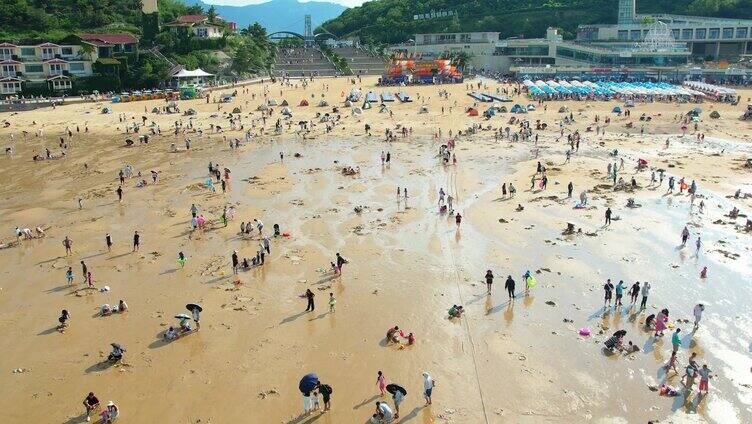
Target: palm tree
87,50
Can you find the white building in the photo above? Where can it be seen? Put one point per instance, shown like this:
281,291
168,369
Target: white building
480,46
198,25
43,62
705,37
57,64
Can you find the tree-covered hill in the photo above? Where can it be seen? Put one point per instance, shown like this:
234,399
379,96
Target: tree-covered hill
390,21
57,19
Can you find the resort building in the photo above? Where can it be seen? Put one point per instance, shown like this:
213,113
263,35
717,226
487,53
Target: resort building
705,38
200,26
487,52
479,46
58,65
640,46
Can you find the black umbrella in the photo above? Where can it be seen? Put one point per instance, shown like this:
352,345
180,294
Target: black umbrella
308,383
116,346
394,388
192,306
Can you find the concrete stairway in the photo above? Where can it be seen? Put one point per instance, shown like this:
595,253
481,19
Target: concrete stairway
298,62
362,62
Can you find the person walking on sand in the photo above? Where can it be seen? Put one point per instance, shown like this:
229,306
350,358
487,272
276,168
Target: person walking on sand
645,292
570,189
634,291
458,220
108,242
608,289
684,236
69,276
698,245
698,310
136,241
489,280
381,383
68,244
340,262
608,216
235,262
309,295
676,340
619,293
705,377
84,270
120,193
332,302
509,286
671,365
428,386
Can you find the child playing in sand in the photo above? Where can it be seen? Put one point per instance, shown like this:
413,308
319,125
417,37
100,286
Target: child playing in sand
332,302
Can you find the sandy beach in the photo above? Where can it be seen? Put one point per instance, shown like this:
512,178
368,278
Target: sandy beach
519,361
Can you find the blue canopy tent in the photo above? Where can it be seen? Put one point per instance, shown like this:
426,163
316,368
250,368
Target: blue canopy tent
616,109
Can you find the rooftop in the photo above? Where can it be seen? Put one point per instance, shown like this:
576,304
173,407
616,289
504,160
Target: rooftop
109,39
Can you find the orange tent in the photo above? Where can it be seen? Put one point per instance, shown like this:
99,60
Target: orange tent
472,112
303,102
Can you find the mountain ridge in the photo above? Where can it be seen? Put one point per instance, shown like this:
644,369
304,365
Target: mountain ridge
276,15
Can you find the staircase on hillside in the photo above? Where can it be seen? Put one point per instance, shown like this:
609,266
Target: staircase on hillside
174,66
361,61
302,61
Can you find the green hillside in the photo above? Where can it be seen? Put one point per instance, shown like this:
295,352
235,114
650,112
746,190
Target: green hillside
59,20
56,19
391,21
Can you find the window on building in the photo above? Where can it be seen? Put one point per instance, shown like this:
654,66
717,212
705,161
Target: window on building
714,33
426,39
61,84
700,34
635,34
34,69
6,53
675,34
56,69
128,48
48,53
741,33
77,67
28,51
67,51
8,70
686,34
728,33
623,35
10,87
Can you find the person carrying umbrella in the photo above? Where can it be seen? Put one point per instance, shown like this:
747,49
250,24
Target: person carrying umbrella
196,310
307,384
398,395
184,319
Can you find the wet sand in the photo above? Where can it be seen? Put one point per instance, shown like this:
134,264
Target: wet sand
502,362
